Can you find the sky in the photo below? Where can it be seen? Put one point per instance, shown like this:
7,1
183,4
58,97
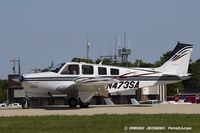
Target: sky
41,31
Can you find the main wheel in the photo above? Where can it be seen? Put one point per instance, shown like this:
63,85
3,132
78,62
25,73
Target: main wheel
26,104
73,102
84,105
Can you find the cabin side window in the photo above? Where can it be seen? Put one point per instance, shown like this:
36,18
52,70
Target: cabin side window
71,69
114,71
87,69
102,71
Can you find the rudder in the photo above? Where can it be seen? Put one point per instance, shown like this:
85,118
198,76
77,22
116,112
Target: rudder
179,60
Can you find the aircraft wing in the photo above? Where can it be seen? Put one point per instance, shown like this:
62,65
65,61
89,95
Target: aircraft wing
88,87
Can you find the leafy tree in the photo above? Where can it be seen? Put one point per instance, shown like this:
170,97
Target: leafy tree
44,70
175,88
140,63
194,68
105,61
124,64
163,59
3,87
82,60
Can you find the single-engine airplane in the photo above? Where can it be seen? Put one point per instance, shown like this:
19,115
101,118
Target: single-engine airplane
81,81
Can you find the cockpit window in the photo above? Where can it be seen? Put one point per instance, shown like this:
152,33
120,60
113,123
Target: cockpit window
56,68
71,69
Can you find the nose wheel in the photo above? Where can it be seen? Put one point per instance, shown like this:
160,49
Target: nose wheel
26,104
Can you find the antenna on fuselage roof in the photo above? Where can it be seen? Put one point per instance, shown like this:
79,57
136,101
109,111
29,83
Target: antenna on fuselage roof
100,63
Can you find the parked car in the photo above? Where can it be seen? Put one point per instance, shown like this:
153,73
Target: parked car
150,102
3,105
14,105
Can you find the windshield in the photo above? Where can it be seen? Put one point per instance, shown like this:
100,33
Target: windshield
56,68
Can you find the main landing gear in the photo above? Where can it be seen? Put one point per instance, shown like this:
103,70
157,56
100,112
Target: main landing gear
26,103
73,102
84,105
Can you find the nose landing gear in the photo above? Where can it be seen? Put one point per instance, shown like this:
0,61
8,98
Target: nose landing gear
26,103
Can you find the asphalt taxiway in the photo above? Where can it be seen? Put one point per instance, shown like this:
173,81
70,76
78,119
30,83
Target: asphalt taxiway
99,109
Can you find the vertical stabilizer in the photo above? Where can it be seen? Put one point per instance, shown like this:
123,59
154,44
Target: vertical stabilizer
179,60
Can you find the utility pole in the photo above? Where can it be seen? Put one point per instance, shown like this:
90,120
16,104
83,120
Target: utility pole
19,67
13,68
52,64
115,56
14,61
124,52
88,48
125,40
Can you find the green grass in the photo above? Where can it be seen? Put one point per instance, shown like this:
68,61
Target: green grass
96,123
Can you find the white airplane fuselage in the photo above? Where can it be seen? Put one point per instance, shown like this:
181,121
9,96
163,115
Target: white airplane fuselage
49,82
81,81
46,83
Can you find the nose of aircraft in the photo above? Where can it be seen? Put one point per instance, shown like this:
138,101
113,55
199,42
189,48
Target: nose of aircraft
19,78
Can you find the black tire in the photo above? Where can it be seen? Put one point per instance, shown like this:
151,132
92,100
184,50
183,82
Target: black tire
73,102
25,104
84,105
